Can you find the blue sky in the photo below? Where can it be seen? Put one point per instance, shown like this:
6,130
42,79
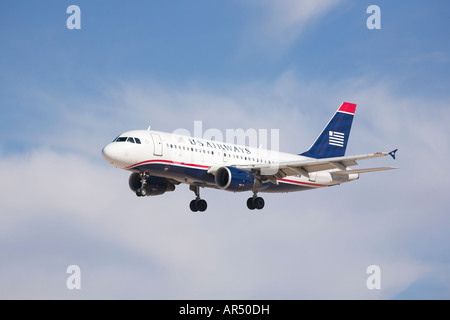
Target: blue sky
232,64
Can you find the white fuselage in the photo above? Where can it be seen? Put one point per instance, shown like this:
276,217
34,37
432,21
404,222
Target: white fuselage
192,160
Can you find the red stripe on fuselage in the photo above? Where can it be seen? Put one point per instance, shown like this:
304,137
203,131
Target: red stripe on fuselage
170,162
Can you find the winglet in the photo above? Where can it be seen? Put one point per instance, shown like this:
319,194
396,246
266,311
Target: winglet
392,153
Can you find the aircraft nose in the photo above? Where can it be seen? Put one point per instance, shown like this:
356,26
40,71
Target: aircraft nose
108,153
116,154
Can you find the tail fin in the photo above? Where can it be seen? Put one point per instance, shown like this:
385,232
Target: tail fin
332,142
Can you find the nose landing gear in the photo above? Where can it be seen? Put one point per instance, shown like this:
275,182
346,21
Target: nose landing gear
142,192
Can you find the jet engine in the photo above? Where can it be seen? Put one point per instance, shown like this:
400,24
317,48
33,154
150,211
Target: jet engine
234,179
145,185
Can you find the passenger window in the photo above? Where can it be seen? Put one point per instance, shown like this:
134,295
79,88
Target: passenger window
138,141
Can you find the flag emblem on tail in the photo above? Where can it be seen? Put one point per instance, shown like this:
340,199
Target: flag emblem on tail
336,138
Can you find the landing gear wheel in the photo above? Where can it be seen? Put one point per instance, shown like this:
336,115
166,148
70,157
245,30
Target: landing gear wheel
198,205
141,192
250,204
255,203
193,206
202,205
258,202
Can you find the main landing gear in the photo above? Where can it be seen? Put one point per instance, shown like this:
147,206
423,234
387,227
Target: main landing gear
255,202
197,204
200,205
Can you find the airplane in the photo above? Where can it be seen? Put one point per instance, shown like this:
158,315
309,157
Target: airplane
159,161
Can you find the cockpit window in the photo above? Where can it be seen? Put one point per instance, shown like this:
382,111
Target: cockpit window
128,139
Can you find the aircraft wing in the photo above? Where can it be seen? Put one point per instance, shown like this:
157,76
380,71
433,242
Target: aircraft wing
304,167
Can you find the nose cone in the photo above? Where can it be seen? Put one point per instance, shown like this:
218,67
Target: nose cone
109,153
115,154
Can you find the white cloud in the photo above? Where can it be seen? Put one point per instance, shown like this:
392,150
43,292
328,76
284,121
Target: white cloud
280,23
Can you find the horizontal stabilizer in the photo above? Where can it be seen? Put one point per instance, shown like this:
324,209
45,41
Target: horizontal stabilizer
392,153
363,170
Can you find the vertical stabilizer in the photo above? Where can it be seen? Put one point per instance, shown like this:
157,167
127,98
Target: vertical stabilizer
332,142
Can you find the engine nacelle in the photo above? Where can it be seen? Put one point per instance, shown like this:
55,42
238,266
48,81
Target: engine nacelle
154,186
234,179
